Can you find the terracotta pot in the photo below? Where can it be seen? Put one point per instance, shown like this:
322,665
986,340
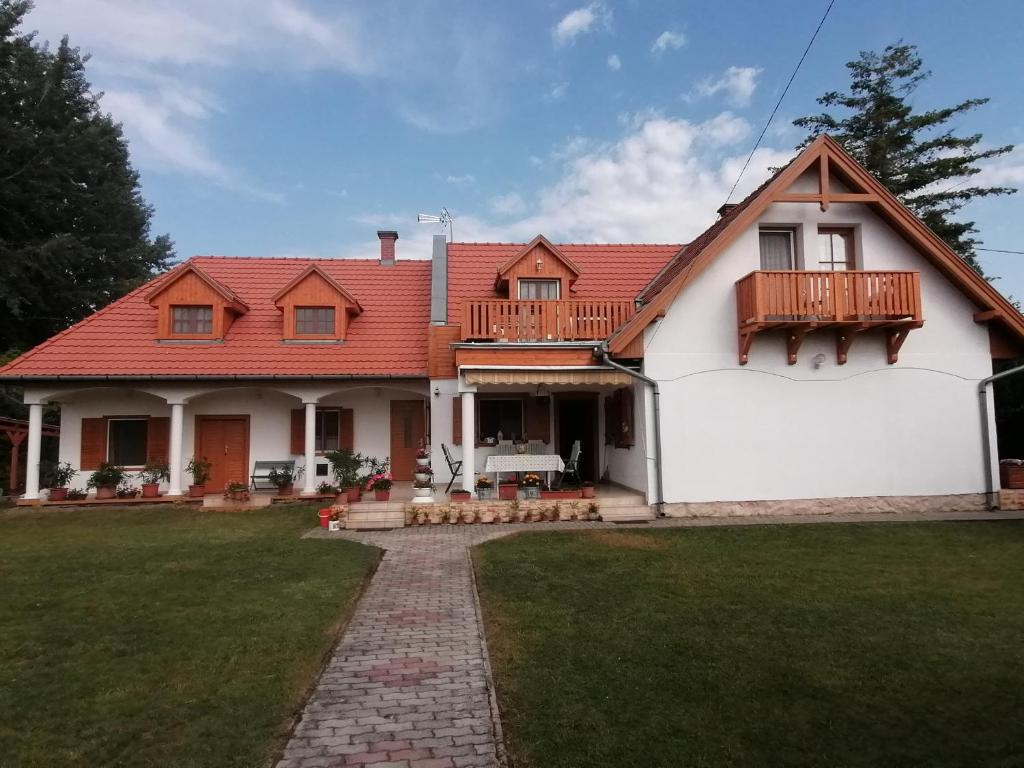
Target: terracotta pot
105,492
197,491
286,490
58,494
382,495
150,490
507,491
589,492
354,494
461,495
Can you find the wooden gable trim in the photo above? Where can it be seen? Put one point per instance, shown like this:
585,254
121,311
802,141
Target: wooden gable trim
353,305
826,150
542,241
230,298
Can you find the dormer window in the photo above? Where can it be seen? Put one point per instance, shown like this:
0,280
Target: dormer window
192,320
314,321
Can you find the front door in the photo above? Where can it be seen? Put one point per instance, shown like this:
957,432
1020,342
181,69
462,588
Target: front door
407,433
224,440
576,419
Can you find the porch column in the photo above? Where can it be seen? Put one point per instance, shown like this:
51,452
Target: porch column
308,486
35,443
468,440
174,460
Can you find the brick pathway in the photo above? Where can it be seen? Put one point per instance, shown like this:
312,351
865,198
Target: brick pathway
409,684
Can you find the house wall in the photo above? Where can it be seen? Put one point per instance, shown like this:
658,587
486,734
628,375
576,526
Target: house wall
771,431
633,467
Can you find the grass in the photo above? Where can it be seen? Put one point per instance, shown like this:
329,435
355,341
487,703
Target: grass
817,645
158,637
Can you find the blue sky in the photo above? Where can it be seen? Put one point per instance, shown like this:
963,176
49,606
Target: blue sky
294,127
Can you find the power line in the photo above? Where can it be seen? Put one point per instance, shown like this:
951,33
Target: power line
1000,250
779,102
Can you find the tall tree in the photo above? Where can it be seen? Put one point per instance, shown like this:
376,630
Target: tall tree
74,228
915,154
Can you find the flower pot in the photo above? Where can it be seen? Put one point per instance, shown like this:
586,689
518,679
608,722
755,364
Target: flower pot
333,525
589,492
507,491
286,490
422,493
197,491
325,517
461,495
531,491
565,494
382,495
421,477
353,494
105,492
1011,475
424,462
150,490
484,493
58,494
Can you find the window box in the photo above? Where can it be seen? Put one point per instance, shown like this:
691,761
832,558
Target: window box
507,491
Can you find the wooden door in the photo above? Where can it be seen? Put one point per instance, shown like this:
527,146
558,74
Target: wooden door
224,440
407,433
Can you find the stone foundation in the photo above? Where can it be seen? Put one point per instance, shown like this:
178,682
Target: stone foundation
967,502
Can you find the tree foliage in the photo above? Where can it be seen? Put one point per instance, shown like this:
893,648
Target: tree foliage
74,228
915,154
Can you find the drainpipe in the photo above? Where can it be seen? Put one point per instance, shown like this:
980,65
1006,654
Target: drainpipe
602,353
990,483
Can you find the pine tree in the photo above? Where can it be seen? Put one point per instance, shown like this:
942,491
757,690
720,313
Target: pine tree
915,154
74,228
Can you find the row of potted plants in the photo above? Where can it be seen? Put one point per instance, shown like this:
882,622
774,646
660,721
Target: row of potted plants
516,512
355,474
529,485
109,480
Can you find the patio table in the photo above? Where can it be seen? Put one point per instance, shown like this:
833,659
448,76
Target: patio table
525,462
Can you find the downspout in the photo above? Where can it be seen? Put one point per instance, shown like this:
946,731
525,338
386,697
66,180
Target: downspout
986,445
602,353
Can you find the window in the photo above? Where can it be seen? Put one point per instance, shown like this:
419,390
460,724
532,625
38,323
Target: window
192,321
538,289
314,321
500,415
328,430
777,249
126,442
835,249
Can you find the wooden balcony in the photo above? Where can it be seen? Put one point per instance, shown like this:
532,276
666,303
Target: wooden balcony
850,302
528,320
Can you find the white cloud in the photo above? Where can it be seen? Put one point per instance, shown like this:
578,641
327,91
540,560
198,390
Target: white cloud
1004,171
581,21
511,204
614,62
557,92
737,83
668,40
461,181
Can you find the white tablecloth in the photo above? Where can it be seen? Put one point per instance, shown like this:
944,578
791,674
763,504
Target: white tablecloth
525,462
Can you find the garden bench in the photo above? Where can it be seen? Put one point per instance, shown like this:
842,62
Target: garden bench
261,470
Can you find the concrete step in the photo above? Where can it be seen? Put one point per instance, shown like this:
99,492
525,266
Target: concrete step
626,514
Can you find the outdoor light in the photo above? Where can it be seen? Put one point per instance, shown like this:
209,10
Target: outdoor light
437,391
819,360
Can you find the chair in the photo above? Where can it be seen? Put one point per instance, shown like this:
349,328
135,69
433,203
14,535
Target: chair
572,465
505,448
535,447
455,467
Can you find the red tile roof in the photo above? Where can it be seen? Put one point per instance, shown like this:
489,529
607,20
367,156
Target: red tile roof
606,271
388,338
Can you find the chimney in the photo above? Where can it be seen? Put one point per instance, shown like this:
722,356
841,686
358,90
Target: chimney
439,281
387,247
726,208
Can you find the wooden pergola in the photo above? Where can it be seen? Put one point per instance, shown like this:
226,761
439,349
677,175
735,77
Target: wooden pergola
17,432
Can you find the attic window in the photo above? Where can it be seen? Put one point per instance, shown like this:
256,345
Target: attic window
314,321
538,289
192,320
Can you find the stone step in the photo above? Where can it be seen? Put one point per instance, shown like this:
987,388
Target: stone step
626,514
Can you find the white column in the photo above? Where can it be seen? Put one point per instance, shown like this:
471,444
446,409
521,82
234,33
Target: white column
468,441
174,460
35,444
308,486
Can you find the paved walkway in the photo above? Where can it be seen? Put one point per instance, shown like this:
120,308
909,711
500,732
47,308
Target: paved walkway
409,684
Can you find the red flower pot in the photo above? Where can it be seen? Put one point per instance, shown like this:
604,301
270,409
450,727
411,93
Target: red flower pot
589,492
507,491
58,494
354,494
382,495
106,492
150,490
325,516
197,491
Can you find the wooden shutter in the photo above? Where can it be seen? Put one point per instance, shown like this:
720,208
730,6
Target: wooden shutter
93,444
347,432
158,439
611,411
457,420
298,431
538,418
626,437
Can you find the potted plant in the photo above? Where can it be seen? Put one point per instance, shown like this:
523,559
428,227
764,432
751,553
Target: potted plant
106,479
77,494
326,489
284,478
423,474
593,512
126,491
236,491
337,518
345,465
59,477
422,489
379,481
462,495
530,485
199,467
422,458
1011,473
588,490
151,475
484,487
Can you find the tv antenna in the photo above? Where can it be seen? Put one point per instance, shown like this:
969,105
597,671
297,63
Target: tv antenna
443,219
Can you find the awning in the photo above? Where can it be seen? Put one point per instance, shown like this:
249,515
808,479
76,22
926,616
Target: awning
520,376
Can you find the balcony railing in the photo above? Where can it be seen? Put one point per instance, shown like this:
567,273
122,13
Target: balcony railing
851,301
527,320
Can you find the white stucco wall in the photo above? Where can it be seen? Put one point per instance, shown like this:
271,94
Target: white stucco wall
269,412
634,467
768,430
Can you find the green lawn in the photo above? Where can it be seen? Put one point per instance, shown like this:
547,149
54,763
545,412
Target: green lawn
135,637
814,645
